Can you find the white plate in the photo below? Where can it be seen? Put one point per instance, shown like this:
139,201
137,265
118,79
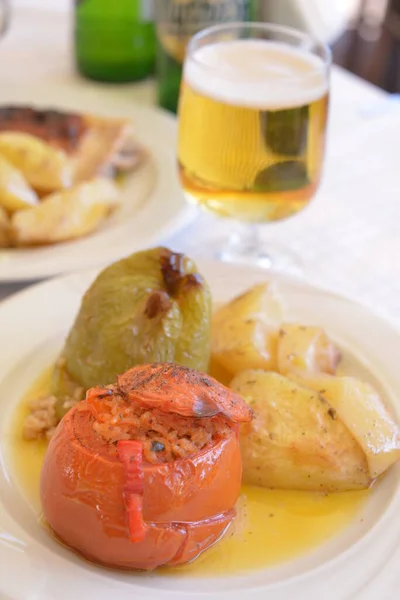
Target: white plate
152,202
33,325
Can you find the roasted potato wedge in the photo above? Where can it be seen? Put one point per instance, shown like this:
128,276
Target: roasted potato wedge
306,349
359,406
65,215
4,229
245,331
15,193
296,440
45,168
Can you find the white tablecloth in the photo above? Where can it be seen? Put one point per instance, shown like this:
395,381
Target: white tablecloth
349,237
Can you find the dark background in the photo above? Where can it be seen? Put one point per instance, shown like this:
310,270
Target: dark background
370,47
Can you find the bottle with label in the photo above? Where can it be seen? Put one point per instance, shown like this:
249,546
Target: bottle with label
176,22
114,39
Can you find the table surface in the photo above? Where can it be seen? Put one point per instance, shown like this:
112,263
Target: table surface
349,237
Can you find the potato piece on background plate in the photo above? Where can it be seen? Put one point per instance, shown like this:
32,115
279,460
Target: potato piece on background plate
45,168
306,349
296,441
15,192
67,214
245,330
361,408
5,241
95,144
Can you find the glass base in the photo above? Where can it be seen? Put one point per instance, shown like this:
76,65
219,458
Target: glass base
247,248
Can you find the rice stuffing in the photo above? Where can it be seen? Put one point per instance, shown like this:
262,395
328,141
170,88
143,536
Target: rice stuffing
165,436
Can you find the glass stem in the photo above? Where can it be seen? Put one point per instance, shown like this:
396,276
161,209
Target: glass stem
244,245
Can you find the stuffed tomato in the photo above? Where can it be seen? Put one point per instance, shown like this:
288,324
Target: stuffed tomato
146,472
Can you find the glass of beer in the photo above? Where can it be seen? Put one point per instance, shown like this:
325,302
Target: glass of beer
252,124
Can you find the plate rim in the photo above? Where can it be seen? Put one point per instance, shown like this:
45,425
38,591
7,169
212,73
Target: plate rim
33,284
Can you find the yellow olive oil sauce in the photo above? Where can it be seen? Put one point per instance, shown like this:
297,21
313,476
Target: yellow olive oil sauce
273,526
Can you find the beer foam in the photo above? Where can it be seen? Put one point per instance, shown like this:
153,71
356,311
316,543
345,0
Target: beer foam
257,74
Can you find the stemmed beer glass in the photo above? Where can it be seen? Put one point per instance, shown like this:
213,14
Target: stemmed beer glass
252,123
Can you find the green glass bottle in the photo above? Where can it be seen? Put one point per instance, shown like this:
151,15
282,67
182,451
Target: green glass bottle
114,39
176,22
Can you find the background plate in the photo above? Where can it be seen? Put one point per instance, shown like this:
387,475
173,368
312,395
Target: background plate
153,205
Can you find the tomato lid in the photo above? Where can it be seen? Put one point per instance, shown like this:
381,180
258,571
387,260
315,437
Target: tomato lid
173,388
